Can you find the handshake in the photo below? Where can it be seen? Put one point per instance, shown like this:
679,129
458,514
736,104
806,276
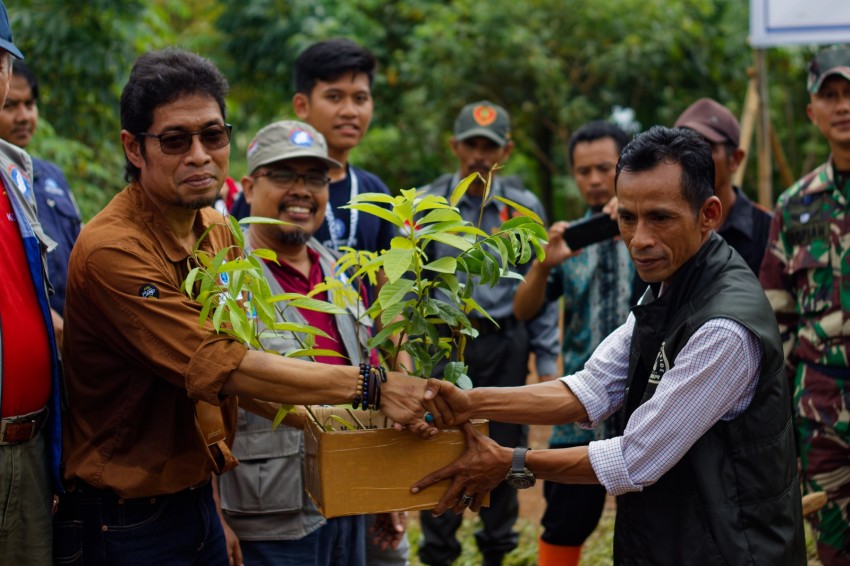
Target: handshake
424,406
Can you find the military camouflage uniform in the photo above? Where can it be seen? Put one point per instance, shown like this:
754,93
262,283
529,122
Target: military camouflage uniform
806,275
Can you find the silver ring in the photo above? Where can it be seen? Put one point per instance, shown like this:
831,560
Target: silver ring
466,500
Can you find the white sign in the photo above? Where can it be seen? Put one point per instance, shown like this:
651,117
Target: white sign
783,22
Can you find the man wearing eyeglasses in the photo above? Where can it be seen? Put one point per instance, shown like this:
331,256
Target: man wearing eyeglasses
806,277
149,388
289,181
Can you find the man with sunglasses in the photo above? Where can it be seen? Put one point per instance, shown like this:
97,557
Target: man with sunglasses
289,165
151,391
806,278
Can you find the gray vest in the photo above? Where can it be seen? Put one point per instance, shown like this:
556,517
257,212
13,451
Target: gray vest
264,496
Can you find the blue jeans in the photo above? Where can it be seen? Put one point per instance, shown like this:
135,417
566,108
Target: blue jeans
299,552
94,526
339,542
342,542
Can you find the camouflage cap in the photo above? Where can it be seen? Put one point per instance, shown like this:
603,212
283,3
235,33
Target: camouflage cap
829,62
287,139
483,119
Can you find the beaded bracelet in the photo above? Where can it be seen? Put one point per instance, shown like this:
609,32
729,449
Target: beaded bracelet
361,394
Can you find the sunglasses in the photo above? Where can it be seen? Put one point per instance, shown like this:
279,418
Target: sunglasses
177,142
286,179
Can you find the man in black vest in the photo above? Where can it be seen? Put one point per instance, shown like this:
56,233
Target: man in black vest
705,471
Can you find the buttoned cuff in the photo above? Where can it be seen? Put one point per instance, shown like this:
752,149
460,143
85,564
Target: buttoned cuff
607,461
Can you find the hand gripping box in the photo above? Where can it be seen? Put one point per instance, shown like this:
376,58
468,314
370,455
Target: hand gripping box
370,469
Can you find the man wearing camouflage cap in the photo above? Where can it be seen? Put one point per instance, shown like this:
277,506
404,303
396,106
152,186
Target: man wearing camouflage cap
263,499
806,276
744,225
499,355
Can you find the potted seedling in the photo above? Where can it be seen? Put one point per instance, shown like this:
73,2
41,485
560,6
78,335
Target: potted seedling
423,309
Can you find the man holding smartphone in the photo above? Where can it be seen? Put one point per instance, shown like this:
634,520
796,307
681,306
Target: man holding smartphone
596,286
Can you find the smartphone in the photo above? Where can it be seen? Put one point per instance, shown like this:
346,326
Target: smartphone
597,228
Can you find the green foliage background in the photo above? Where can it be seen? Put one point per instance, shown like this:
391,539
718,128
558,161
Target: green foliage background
554,65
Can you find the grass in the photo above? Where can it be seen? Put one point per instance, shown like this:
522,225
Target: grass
596,552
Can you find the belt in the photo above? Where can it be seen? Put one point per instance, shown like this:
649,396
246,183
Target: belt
16,430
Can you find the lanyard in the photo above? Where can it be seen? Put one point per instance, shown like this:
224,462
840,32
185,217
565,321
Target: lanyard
353,217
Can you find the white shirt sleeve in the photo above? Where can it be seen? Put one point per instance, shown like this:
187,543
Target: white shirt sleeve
713,378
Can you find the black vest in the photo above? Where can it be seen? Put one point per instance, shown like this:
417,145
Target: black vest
734,498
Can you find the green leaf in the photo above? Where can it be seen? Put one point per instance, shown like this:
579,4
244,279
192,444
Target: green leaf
374,197
453,371
316,305
401,243
313,352
464,382
265,254
386,332
445,264
521,209
462,187
236,231
396,263
378,211
263,220
441,215
450,240
282,411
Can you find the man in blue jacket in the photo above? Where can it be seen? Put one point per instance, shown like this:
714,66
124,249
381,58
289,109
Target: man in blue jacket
57,210
29,406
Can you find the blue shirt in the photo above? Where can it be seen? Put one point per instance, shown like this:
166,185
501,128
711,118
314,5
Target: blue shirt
60,219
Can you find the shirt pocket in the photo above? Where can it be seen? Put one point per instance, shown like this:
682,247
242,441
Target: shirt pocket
813,280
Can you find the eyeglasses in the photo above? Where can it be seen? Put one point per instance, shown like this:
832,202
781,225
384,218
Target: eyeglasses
286,179
177,142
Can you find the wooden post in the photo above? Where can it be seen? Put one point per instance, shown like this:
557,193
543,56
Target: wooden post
749,115
765,166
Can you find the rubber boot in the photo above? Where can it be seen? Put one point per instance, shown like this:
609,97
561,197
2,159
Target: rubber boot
556,555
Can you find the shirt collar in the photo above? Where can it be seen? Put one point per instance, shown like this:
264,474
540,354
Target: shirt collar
738,219
161,231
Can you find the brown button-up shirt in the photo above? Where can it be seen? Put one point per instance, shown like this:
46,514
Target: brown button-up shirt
136,357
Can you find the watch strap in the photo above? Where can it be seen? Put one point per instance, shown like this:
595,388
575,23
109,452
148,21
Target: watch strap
518,462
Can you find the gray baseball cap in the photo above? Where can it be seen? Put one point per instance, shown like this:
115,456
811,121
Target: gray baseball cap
288,139
483,119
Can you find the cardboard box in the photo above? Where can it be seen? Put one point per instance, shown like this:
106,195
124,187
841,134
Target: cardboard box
352,472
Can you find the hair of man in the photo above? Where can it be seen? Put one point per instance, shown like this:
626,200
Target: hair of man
329,60
673,145
20,69
160,77
597,130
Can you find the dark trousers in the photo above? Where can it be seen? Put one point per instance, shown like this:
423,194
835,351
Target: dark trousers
495,359
95,526
572,512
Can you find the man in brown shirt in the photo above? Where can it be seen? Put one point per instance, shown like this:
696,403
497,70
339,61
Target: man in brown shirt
137,361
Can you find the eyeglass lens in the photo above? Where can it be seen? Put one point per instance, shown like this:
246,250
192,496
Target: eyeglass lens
214,137
286,179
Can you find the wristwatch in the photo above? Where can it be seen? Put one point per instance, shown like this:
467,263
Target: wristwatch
520,477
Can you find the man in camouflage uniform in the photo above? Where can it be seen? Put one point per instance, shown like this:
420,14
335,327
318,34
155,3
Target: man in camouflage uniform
806,274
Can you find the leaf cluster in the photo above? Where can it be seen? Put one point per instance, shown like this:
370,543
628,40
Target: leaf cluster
236,298
424,306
